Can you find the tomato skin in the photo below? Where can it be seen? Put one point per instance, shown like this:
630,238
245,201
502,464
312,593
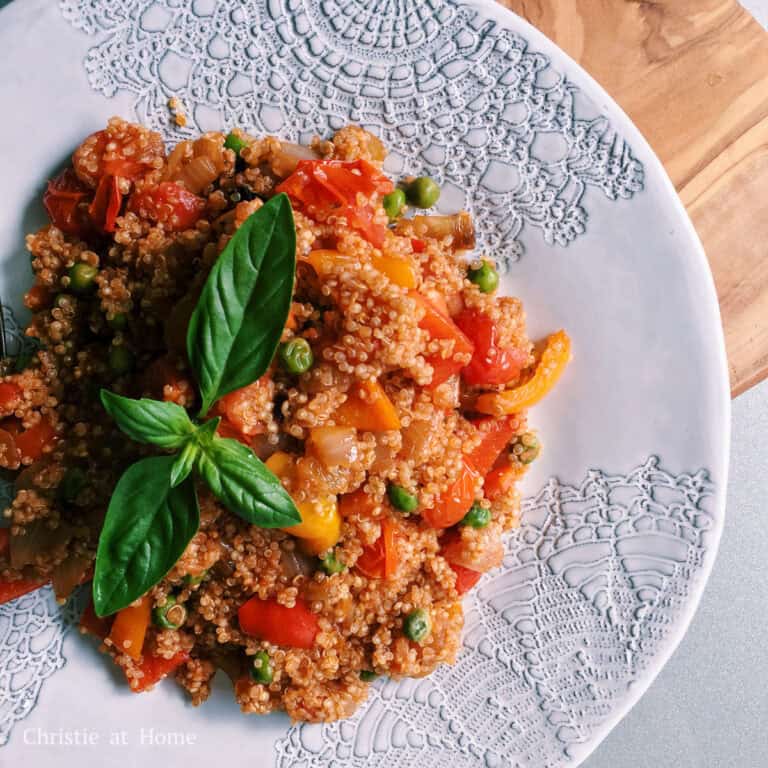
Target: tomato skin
95,625
456,501
10,590
10,395
439,325
169,204
62,199
334,185
495,436
465,578
155,668
106,203
500,480
32,442
294,627
241,409
381,560
490,365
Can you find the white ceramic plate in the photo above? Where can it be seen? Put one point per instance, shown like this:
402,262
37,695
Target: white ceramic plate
625,508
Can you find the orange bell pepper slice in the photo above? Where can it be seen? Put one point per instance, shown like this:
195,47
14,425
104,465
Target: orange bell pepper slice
130,627
368,409
400,271
554,359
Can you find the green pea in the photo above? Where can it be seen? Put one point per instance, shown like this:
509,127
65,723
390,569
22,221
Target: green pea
193,579
82,277
401,499
417,625
118,321
72,483
261,668
477,517
171,615
235,143
331,564
393,203
296,356
423,192
121,359
367,675
485,277
526,448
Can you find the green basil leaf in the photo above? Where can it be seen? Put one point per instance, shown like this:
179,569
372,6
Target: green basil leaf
240,315
244,485
149,421
184,463
147,527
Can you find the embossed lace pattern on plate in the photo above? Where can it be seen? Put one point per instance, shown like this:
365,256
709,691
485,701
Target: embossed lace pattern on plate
452,93
590,587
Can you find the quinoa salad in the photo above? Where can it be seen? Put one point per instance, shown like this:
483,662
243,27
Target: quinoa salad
275,417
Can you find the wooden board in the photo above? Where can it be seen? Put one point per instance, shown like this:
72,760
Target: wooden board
693,76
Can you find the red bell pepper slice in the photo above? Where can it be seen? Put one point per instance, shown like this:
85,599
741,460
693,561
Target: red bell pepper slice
294,627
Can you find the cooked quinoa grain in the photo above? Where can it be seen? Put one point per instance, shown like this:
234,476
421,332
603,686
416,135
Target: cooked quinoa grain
366,415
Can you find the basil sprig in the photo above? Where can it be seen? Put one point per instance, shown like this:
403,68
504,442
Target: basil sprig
233,334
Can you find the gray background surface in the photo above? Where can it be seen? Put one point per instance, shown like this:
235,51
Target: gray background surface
709,706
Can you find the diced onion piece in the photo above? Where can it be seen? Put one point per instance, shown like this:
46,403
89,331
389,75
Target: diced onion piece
283,162
459,226
197,174
334,446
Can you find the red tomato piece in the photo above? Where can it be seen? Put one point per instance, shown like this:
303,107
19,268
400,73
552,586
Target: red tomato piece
335,185
10,396
382,559
495,436
106,203
465,578
244,408
440,326
499,481
169,204
155,668
418,246
37,297
455,502
10,590
294,627
93,624
62,200
490,364
32,442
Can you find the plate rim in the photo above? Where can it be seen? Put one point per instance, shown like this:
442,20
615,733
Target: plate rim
565,64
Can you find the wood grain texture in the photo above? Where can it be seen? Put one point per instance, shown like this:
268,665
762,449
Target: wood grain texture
693,76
